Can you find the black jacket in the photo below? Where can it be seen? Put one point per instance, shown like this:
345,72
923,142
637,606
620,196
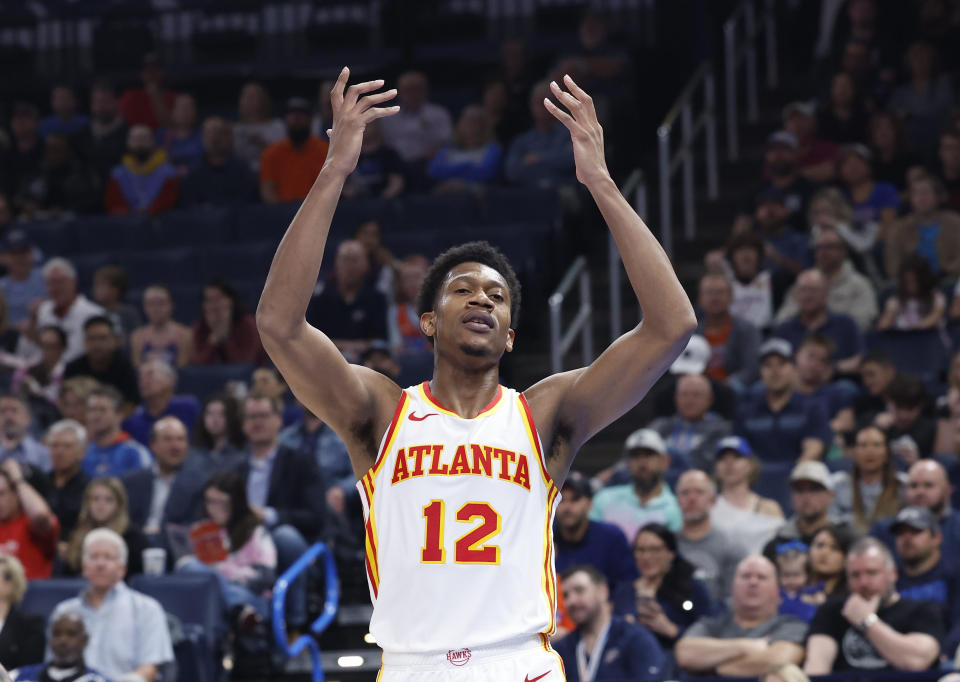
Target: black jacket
185,503
22,639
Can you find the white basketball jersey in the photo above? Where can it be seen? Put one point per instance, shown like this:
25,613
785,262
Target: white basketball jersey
459,527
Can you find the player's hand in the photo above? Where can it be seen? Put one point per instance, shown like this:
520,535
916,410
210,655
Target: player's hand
856,608
585,130
351,114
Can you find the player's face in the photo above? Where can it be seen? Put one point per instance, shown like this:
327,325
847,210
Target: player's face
472,314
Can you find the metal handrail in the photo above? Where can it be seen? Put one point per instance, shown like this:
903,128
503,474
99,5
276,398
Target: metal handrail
560,342
740,34
636,186
330,604
682,159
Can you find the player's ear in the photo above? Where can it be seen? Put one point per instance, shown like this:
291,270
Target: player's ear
428,323
510,336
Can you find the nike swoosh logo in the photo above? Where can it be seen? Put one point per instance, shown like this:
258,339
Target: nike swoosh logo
527,678
415,418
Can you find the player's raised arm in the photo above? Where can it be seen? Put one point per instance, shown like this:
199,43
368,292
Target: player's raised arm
344,396
593,397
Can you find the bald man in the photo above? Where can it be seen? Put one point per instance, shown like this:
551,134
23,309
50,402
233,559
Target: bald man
693,432
752,636
350,309
929,487
814,317
712,551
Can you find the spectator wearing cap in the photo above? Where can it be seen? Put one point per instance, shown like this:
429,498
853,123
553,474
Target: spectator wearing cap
422,127
815,317
145,181
875,204
666,597
543,155
848,291
929,231
289,167
65,119
22,160
104,361
733,340
815,379
182,139
353,313
23,286
647,498
217,176
580,541
255,127
65,307
106,137
873,489
749,638
738,510
816,158
713,552
843,118
811,496
782,167
925,101
377,356
786,250
693,360
923,574
693,432
874,627
149,105
779,423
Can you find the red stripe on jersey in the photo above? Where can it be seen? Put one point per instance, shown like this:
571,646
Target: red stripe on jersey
390,432
535,437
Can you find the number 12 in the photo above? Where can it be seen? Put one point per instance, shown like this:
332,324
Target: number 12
469,549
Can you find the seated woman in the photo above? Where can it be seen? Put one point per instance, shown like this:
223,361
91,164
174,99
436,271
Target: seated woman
247,570
738,510
873,490
827,574
21,635
472,159
666,598
927,230
226,333
918,302
104,506
219,431
162,337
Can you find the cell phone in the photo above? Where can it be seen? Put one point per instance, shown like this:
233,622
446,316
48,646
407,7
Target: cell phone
646,602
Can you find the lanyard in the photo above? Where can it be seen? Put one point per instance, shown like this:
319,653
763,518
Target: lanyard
589,671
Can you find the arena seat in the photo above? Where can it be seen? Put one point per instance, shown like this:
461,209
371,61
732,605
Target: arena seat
205,380
774,482
260,222
414,368
52,237
920,353
43,595
161,265
194,598
99,234
200,226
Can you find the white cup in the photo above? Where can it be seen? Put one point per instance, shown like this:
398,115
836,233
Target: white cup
154,561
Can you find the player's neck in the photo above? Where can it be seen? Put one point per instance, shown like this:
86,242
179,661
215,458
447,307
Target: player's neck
466,393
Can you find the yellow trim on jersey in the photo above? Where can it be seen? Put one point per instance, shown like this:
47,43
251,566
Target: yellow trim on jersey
549,582
370,536
534,441
486,412
398,416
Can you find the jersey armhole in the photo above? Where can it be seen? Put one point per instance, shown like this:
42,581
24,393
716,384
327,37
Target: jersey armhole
534,436
391,433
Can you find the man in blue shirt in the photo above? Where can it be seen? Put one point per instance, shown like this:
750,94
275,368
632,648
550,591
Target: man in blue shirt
580,541
157,380
603,648
781,424
64,120
542,156
23,283
810,292
112,452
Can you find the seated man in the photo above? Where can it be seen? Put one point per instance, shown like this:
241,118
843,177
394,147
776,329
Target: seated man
906,403
815,379
15,439
28,529
603,647
580,541
171,489
67,482
811,496
752,636
873,628
65,307
157,383
68,639
144,181
112,452
693,432
104,361
127,630
733,341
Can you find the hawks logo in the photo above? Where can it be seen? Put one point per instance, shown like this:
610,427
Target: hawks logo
458,656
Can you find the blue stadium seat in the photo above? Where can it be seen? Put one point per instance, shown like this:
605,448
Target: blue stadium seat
88,263
920,353
248,262
52,237
774,482
205,380
98,234
445,213
43,595
181,266
511,205
260,222
200,226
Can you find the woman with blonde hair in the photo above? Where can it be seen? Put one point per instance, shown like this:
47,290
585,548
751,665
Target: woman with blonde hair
472,158
21,635
104,506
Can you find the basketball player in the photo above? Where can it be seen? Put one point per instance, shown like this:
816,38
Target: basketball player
459,476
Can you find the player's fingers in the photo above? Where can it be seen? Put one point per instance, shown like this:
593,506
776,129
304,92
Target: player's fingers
336,92
565,98
374,113
562,116
377,98
576,90
354,91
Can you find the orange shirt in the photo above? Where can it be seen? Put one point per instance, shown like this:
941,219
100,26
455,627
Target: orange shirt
293,170
717,339
35,552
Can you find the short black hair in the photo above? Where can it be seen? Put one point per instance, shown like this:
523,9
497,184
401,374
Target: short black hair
61,335
596,577
907,392
472,252
876,356
99,319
